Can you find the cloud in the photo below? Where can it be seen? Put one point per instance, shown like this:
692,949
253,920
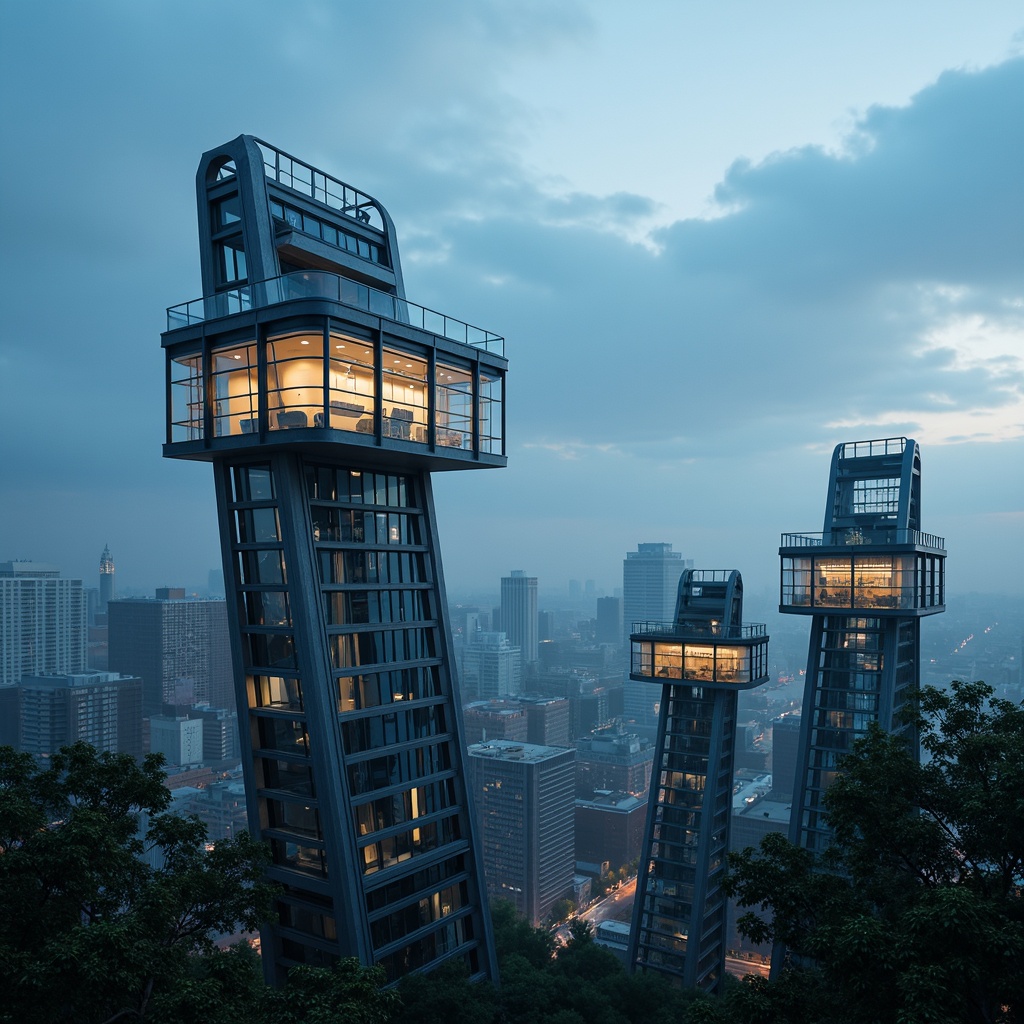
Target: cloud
660,380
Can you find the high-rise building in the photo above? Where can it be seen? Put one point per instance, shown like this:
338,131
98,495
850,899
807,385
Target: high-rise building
525,809
324,399
785,748
650,576
866,581
491,667
179,646
107,590
609,829
519,612
494,720
700,662
43,622
548,720
101,708
179,738
609,620
613,760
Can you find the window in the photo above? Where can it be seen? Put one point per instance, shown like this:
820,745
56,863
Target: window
187,398
350,379
232,262
453,401
235,391
295,380
404,396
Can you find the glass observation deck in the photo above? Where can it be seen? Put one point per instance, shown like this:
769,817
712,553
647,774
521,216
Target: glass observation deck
879,570
321,284
703,654
299,359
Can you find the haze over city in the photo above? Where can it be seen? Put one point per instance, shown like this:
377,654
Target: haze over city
717,241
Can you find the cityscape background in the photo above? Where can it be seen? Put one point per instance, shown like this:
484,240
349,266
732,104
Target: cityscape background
717,241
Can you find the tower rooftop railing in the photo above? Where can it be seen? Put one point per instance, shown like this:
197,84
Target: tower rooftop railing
870,449
699,630
306,180
321,284
855,536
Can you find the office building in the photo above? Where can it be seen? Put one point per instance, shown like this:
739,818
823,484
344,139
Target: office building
865,581
609,830
494,720
700,661
107,590
609,621
519,613
548,720
220,733
785,748
650,576
178,645
324,400
525,812
179,738
613,760
43,622
491,667
101,708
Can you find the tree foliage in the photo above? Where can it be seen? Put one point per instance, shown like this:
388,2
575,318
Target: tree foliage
916,912
89,931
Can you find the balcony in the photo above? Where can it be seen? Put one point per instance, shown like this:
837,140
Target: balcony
863,579
700,654
321,284
856,536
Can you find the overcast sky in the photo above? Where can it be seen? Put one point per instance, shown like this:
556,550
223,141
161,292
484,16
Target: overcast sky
719,239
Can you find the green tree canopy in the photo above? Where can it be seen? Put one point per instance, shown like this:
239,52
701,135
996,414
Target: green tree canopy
90,932
916,912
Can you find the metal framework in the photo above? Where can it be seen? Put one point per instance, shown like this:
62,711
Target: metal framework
701,661
866,580
324,399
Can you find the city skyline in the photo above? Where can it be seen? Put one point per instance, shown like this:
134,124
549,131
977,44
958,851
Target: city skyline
718,203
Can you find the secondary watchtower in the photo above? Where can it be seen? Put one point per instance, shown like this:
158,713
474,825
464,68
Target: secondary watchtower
701,660
866,580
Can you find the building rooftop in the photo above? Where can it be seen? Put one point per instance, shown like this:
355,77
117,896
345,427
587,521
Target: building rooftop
510,750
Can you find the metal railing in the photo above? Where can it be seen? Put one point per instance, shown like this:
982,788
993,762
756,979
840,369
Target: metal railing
696,630
852,536
320,284
308,181
880,446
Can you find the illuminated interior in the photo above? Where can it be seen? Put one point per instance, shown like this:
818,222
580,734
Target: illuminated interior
862,581
738,664
300,375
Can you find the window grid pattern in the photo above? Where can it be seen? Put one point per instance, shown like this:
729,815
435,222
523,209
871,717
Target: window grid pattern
380,602
682,884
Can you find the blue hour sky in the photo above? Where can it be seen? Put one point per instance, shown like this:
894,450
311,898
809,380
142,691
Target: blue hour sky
719,239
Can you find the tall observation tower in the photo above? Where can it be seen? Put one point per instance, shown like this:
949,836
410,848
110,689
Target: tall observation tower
324,400
866,581
106,579
701,661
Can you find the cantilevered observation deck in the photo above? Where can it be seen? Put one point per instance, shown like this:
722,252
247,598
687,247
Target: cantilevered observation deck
324,399
867,580
702,660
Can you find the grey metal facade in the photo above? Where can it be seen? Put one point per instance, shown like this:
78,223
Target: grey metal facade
324,400
866,581
701,661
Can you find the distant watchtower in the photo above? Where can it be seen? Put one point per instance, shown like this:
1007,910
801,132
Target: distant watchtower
324,400
866,581
701,661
